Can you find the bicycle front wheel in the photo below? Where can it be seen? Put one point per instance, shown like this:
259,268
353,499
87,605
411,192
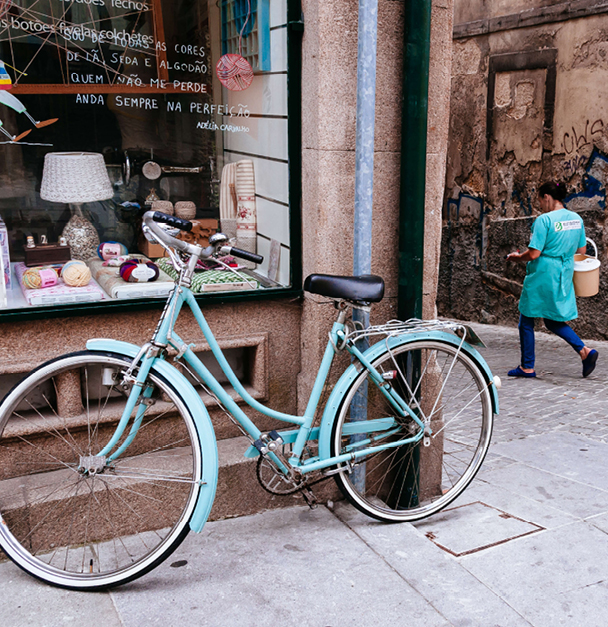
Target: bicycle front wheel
77,520
446,389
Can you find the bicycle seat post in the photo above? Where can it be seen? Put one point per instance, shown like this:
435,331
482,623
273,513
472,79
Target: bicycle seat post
342,307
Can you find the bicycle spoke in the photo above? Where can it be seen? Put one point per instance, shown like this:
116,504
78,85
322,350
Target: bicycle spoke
77,527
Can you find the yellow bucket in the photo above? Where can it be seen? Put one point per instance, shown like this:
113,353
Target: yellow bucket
586,276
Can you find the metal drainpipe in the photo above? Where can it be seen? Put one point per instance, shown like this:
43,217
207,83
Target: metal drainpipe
417,37
364,155
364,177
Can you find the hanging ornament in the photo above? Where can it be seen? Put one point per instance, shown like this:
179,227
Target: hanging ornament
5,5
233,70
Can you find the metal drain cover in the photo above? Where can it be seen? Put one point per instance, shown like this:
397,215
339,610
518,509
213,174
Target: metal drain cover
470,528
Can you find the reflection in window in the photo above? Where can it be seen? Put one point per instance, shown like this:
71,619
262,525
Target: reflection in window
245,31
136,81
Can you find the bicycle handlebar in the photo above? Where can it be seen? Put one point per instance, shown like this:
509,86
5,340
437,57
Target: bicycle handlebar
151,218
178,223
243,254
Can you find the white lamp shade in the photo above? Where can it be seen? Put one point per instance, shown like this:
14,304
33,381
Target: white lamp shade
75,177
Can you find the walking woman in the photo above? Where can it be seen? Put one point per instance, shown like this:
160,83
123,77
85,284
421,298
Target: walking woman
548,291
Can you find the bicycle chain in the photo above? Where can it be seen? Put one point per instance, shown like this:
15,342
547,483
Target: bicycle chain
294,490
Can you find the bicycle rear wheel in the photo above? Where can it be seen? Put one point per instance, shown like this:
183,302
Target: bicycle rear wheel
446,389
77,520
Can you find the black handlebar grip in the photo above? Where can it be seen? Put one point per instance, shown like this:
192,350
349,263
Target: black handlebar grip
245,254
178,223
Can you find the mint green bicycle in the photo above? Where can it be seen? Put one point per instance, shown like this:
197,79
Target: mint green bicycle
108,457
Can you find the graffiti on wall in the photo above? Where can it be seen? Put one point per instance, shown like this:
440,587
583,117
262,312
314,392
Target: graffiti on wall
578,143
525,204
594,183
473,210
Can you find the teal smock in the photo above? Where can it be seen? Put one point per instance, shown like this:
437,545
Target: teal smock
548,291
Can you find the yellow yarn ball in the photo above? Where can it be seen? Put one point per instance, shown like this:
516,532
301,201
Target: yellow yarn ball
31,279
76,274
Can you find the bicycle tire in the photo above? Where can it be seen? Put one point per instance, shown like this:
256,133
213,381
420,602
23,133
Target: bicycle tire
413,481
93,530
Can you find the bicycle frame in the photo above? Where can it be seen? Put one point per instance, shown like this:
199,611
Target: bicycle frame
166,336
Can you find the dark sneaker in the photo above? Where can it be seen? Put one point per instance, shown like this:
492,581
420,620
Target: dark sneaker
518,372
589,363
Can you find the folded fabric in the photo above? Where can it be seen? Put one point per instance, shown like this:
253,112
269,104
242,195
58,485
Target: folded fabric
110,280
60,293
211,280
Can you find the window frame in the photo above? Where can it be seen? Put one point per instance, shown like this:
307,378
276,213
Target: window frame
295,29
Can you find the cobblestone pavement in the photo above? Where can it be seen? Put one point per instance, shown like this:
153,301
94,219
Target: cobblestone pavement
558,399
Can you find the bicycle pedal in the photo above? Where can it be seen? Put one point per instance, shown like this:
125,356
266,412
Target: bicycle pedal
310,498
268,442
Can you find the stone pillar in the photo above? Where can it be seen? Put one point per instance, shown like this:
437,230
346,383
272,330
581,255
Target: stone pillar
329,73
440,73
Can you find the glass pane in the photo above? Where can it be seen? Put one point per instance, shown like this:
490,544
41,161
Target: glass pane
186,100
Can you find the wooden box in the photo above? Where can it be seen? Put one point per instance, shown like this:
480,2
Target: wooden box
150,250
46,254
202,230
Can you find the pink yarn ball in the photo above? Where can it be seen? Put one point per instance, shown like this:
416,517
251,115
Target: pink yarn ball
235,72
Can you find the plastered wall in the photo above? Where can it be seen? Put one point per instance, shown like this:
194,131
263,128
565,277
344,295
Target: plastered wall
528,105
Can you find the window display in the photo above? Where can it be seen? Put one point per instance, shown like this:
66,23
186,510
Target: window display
111,107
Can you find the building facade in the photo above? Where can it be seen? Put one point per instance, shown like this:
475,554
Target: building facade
152,87
528,105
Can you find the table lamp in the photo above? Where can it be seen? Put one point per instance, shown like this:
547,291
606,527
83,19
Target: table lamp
75,178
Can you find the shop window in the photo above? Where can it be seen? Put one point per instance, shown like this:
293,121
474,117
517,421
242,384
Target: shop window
146,86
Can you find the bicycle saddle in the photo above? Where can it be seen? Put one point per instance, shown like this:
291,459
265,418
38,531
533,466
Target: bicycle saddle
366,288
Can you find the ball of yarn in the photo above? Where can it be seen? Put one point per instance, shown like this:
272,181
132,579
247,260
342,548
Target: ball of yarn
109,250
185,209
164,206
76,274
234,71
139,271
116,262
36,278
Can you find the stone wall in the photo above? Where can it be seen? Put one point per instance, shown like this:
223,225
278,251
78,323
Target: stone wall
329,135
528,105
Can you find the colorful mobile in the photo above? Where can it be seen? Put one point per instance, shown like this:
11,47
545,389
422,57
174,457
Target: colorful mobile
14,103
5,5
233,70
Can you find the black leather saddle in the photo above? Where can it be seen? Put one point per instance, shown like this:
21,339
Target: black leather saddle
360,289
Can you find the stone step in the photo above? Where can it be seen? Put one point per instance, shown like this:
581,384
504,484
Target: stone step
37,509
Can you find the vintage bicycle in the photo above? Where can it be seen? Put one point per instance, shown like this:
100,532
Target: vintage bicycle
108,456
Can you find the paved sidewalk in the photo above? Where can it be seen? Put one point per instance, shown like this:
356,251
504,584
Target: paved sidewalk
527,544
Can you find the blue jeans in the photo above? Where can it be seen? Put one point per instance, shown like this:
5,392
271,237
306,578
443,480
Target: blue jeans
526,338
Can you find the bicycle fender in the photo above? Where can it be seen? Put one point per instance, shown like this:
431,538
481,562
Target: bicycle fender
201,419
350,374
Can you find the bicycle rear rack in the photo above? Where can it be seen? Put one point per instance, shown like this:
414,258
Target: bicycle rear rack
398,327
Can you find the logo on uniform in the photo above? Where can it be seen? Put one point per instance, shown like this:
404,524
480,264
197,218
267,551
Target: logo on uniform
568,225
